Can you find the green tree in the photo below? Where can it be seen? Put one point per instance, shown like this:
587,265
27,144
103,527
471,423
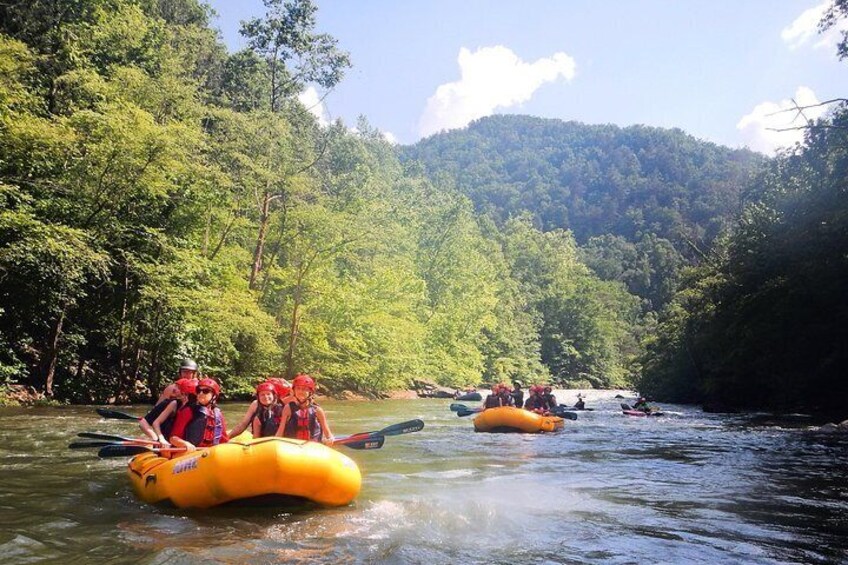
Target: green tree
295,55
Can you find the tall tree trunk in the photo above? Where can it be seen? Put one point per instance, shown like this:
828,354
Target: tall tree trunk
264,215
275,250
293,329
154,376
53,353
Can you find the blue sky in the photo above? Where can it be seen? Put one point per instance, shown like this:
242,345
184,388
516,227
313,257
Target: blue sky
719,70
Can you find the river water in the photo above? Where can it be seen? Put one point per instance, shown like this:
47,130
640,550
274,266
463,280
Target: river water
686,488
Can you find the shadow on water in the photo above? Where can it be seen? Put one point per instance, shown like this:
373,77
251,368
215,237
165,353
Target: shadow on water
687,487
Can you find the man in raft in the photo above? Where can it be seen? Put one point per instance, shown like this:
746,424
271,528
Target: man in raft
302,418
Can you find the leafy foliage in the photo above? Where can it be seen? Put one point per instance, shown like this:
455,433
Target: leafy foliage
763,324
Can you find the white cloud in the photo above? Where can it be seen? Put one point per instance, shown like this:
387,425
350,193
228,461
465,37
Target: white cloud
312,100
491,78
390,137
805,29
758,127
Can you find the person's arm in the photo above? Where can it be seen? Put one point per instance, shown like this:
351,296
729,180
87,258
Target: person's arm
283,421
248,418
180,442
326,435
157,423
148,429
225,437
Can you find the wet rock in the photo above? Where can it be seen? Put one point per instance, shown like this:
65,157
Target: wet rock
402,395
429,389
350,395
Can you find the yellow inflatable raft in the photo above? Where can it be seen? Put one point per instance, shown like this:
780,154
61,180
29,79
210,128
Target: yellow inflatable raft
508,419
246,469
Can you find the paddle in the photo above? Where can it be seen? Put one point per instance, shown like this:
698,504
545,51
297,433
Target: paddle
372,442
407,427
102,443
114,438
115,415
117,450
462,413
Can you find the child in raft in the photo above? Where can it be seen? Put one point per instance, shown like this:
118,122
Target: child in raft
536,402
282,393
164,414
501,396
172,392
302,418
200,422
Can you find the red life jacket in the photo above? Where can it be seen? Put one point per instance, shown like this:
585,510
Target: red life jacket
303,423
200,425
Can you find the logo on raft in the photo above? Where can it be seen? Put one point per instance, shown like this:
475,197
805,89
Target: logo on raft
183,466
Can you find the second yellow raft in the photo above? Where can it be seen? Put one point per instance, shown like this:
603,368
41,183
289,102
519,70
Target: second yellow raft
247,469
508,419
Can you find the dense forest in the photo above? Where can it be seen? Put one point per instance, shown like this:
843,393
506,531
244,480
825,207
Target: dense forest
165,198
161,197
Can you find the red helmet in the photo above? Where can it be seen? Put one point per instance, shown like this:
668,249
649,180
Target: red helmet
210,383
266,387
187,386
305,381
281,386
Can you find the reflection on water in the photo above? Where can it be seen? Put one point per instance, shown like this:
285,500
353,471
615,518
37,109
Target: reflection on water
691,487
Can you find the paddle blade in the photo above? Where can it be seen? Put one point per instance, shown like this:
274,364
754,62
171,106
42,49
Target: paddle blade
565,414
115,415
407,427
123,450
456,407
87,444
625,406
373,442
462,413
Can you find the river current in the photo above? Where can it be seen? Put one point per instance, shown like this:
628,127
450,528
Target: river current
688,487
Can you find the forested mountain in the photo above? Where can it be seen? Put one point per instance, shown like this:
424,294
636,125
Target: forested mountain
640,200
593,179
